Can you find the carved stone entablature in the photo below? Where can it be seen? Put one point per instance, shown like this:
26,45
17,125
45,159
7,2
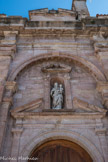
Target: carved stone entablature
84,106
56,68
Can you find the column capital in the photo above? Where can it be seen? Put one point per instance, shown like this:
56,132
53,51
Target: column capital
17,131
101,131
11,85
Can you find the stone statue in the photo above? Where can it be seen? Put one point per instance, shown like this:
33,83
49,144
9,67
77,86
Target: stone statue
57,96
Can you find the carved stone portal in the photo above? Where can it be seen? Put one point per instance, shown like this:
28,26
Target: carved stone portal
57,96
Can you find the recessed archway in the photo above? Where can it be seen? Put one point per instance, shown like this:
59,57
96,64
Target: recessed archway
60,151
77,138
97,74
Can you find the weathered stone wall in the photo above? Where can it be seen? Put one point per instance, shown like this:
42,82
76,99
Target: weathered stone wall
31,84
28,46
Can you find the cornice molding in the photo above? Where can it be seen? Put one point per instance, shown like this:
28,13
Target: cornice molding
73,115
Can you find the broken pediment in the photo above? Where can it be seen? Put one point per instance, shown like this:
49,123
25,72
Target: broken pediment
33,109
55,68
30,107
86,107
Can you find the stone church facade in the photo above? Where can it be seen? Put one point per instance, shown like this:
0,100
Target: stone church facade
67,47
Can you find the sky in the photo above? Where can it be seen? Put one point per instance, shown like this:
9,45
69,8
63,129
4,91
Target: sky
21,7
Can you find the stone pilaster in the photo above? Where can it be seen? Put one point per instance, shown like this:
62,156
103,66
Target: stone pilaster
47,92
1,92
4,67
7,51
4,109
101,133
3,118
15,143
101,51
68,95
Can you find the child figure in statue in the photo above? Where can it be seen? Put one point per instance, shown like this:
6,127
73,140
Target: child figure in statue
57,96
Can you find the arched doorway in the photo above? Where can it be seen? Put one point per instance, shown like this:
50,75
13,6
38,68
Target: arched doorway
60,151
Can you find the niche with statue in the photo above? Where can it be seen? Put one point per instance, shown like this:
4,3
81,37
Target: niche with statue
57,94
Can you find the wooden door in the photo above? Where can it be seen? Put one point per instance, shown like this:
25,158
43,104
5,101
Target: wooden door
60,151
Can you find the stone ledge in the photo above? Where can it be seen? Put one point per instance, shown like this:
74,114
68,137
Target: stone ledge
73,115
58,111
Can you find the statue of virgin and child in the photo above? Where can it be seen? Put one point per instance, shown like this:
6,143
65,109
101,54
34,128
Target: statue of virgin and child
57,96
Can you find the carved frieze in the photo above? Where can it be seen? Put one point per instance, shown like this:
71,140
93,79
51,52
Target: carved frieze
56,68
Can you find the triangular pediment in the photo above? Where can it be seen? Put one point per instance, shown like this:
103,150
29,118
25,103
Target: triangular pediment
85,106
28,107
